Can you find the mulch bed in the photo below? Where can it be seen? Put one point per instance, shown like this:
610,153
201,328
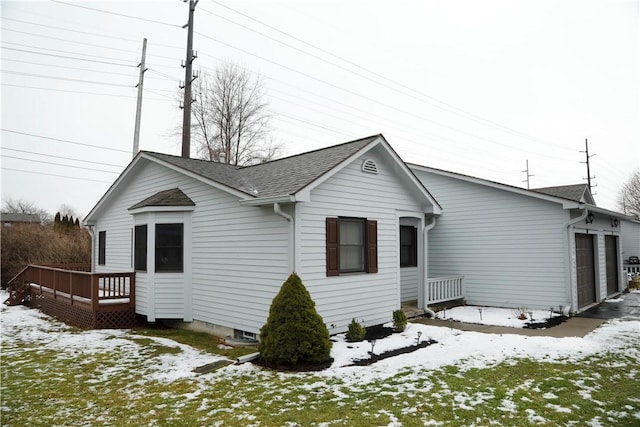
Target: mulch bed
548,323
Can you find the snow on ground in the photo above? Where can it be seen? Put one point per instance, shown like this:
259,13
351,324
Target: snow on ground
495,316
454,347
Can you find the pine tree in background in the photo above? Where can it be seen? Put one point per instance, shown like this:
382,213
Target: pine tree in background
295,333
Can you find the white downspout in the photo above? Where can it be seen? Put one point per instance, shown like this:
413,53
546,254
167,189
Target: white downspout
425,262
292,245
572,257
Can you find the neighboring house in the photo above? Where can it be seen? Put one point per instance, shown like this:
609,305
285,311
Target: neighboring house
522,248
9,218
212,243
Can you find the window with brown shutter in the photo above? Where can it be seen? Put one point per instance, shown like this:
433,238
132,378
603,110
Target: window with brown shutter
351,245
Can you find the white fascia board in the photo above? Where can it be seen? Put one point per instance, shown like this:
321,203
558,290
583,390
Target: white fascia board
262,201
89,220
614,214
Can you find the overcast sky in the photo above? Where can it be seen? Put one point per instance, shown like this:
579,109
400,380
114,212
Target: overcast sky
475,87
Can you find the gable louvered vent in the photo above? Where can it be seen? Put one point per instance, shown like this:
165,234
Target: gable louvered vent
369,166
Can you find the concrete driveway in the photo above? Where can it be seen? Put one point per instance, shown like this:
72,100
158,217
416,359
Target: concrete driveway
625,306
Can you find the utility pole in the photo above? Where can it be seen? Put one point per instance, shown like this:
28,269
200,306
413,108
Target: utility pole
188,79
136,132
528,174
589,177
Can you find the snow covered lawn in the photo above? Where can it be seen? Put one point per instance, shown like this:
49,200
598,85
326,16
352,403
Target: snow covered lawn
53,374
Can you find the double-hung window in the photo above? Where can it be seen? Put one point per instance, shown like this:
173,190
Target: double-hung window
352,246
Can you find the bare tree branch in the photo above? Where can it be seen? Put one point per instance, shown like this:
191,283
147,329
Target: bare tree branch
629,196
231,118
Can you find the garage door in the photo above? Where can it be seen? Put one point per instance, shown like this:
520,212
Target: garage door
611,251
585,270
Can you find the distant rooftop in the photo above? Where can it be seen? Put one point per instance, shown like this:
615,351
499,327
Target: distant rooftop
13,217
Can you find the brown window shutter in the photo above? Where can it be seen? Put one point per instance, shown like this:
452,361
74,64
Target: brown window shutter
372,246
333,247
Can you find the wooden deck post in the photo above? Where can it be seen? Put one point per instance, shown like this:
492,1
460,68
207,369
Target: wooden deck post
94,293
132,291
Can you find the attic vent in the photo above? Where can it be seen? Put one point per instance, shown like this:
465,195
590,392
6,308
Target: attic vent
369,166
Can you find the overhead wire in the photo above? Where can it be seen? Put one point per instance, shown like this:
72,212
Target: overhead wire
42,76
117,14
55,175
63,140
69,57
62,157
57,164
80,92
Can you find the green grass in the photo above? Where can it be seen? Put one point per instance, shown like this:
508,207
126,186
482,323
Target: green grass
46,387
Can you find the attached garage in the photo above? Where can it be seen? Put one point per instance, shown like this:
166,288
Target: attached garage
585,270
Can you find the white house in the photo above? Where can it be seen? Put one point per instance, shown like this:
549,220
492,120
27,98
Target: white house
212,243
522,248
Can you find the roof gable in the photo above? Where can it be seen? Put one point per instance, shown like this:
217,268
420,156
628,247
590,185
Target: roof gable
577,192
172,197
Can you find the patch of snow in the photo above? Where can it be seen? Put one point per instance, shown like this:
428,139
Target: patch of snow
493,316
558,408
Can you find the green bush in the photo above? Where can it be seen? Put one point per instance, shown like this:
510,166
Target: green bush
295,333
399,321
356,331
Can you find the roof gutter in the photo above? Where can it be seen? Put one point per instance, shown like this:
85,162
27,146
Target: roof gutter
262,201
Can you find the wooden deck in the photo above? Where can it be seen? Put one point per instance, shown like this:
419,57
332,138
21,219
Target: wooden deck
76,296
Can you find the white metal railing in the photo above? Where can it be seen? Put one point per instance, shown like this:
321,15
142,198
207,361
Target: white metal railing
440,289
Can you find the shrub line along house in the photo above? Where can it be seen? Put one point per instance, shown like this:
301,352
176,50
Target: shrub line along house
211,243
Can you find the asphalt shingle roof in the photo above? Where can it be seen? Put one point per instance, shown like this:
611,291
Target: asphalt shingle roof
275,178
172,197
571,192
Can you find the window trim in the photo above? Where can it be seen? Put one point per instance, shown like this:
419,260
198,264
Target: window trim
413,245
102,247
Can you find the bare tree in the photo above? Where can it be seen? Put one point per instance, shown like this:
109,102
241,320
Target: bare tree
21,206
629,196
230,117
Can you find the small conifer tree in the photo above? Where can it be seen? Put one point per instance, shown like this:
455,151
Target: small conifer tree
295,334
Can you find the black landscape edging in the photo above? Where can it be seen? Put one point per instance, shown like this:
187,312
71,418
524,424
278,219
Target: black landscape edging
391,353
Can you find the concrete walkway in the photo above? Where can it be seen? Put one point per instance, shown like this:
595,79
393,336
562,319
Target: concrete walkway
576,326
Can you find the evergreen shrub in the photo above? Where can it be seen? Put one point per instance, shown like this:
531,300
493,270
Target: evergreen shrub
399,321
295,334
356,331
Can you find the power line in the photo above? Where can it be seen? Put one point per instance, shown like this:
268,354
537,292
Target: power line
62,157
118,14
449,107
68,57
80,92
56,164
67,29
64,140
42,76
58,176
69,41
62,51
68,68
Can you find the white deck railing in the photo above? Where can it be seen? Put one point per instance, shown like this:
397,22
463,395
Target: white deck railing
440,289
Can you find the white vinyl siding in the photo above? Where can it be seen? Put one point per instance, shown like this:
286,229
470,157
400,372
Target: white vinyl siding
629,239
510,248
367,297
238,254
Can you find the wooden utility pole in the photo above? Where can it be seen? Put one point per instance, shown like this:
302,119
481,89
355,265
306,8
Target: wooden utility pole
136,131
188,79
589,177
528,174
